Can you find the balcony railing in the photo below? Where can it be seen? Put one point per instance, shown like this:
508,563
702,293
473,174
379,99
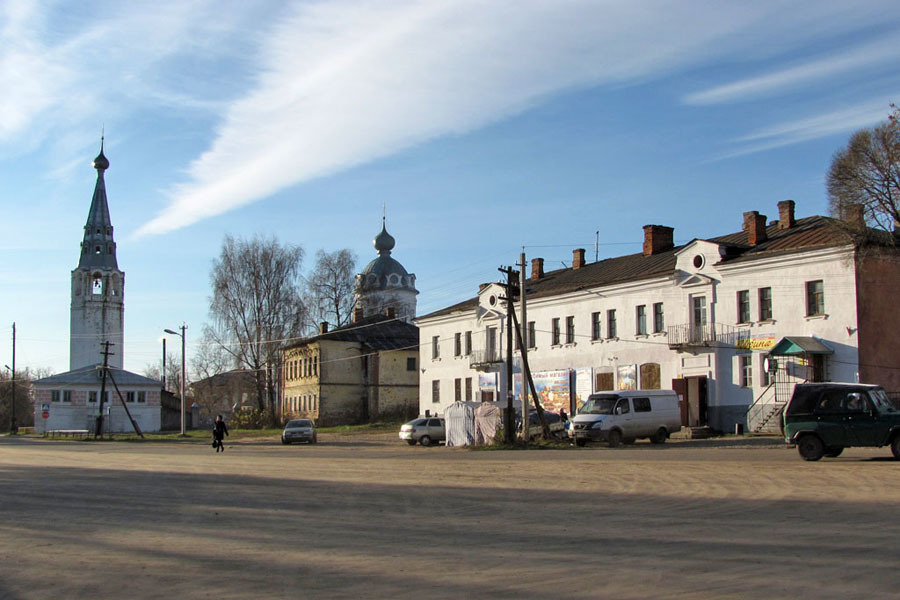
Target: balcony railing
685,335
483,359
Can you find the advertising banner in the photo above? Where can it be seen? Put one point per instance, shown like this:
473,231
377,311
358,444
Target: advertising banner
584,384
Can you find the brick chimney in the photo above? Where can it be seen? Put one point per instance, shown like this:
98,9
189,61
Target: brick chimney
390,312
323,327
657,238
537,268
578,258
786,214
357,314
755,226
854,216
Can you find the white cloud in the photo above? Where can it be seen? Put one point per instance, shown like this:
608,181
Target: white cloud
342,83
885,51
818,126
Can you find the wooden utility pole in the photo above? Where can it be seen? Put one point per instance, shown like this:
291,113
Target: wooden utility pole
510,418
106,353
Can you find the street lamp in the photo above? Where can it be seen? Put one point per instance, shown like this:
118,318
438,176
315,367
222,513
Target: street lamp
181,335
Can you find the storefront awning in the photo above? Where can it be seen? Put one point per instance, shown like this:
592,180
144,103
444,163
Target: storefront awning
798,345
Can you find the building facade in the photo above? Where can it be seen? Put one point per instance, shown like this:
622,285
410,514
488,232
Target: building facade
709,319
362,372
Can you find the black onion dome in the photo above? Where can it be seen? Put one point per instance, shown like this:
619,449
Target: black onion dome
384,242
101,163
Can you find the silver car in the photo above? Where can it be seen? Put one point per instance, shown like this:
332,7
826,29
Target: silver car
299,430
425,431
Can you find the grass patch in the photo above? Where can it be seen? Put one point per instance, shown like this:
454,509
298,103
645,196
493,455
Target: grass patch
379,427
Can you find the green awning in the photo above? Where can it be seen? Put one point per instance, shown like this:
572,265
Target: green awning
799,345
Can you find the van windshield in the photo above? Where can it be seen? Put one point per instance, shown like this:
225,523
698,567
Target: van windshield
598,406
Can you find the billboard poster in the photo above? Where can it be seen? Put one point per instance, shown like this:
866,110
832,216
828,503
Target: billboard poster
553,389
627,377
584,384
487,382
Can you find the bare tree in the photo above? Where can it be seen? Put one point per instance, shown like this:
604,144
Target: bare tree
329,288
865,176
256,305
173,372
23,398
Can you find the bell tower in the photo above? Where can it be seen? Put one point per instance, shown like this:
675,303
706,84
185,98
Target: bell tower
98,287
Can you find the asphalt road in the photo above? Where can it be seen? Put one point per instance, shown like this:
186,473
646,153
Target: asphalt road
370,517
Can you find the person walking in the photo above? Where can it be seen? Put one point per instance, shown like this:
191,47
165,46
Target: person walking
220,430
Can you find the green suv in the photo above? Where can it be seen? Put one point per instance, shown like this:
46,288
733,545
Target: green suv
824,418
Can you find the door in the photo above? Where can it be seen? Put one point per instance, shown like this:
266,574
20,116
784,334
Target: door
699,319
694,407
830,414
680,387
624,417
863,428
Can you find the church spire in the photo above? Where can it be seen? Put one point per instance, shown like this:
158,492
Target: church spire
98,248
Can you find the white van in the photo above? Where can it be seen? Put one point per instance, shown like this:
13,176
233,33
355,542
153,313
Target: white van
623,416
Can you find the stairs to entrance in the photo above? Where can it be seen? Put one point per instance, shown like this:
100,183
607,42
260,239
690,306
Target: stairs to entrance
770,421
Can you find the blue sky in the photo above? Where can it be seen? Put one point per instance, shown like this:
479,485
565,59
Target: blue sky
482,126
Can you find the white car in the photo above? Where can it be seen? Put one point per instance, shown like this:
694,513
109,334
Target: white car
425,431
299,430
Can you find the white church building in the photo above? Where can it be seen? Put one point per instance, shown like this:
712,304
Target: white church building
730,323
72,400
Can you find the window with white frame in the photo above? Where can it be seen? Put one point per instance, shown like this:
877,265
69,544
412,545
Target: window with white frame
815,298
743,306
745,367
640,319
595,326
765,304
659,318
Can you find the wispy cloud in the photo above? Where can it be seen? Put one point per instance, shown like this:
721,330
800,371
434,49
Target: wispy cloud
343,83
809,128
885,51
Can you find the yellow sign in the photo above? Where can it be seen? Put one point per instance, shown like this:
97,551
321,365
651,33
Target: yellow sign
757,343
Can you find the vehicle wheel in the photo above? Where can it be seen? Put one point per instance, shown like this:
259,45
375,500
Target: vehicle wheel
411,442
834,451
895,446
615,438
284,441
810,447
580,443
660,436
425,440
315,440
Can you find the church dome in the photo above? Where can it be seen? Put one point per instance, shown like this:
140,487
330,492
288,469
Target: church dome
101,163
384,242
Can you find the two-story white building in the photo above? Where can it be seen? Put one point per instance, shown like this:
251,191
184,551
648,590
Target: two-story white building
730,323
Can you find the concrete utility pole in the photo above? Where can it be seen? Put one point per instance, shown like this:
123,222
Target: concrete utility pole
523,334
13,426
